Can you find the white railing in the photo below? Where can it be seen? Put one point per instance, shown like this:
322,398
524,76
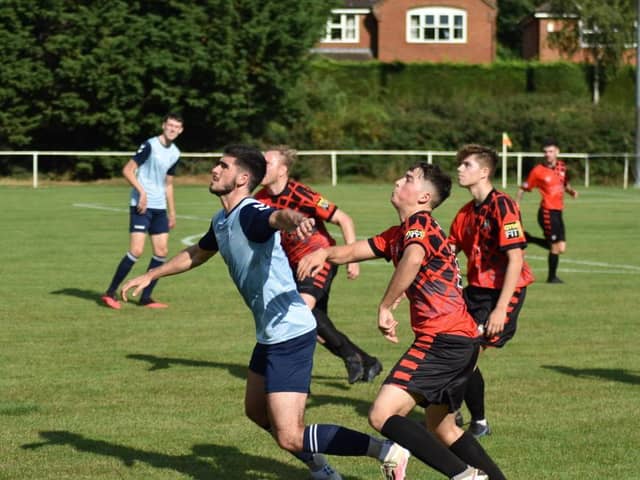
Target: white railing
334,154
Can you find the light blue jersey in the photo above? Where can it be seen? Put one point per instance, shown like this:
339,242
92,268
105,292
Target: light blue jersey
155,162
260,269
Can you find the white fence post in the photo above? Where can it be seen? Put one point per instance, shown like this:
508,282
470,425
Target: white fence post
334,169
35,169
586,171
625,175
519,169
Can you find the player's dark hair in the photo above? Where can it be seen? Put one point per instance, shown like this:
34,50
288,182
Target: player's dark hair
288,154
173,116
251,160
550,142
486,156
439,179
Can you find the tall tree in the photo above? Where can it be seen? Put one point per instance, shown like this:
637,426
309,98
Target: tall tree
101,73
606,30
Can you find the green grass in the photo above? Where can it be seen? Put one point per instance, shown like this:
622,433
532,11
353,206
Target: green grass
91,393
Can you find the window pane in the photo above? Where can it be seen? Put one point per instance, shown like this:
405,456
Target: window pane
457,33
336,34
414,21
444,20
443,34
429,33
429,20
457,20
414,33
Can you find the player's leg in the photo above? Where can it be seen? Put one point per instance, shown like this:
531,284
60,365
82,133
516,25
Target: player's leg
159,232
558,244
138,226
462,444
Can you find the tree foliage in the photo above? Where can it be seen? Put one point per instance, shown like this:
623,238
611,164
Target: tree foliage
101,73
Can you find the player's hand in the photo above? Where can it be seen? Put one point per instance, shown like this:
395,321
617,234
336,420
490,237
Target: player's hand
305,228
141,208
387,324
353,271
172,221
138,284
574,193
495,323
311,264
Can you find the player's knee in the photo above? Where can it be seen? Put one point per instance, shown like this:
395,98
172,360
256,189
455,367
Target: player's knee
377,418
290,440
161,251
136,251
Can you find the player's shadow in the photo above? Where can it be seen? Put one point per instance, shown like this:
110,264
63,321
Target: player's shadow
161,363
226,462
238,371
84,294
616,374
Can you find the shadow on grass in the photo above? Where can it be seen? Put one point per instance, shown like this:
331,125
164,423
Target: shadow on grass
616,374
226,462
80,293
238,371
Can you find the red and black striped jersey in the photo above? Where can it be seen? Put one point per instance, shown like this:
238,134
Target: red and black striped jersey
437,306
484,233
551,182
299,197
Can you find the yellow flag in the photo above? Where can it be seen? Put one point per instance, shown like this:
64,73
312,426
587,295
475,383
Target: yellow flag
506,141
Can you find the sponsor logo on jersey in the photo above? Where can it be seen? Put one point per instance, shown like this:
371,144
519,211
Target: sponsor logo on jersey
512,230
323,203
413,234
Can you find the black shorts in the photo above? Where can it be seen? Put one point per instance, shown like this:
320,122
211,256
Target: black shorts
153,221
319,286
552,225
481,302
436,373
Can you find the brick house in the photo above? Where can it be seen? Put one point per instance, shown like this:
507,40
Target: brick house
538,26
412,31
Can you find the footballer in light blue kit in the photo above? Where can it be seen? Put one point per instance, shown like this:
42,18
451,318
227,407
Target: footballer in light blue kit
152,209
246,233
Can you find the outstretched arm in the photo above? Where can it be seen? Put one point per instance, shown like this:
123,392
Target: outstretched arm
345,223
187,259
311,264
292,221
404,274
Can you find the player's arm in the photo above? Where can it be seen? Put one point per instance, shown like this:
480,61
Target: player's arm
515,262
520,194
187,259
292,221
129,173
404,274
171,206
348,229
570,190
312,263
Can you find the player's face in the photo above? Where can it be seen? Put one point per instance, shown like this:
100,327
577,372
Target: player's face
470,172
274,168
408,189
171,129
551,154
223,176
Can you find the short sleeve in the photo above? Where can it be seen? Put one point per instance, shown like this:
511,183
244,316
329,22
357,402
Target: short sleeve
254,220
142,154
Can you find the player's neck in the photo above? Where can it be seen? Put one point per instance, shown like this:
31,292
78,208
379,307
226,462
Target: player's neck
480,191
277,187
407,212
164,141
232,199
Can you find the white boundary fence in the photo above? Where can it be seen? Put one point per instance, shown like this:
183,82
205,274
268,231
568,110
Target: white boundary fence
334,154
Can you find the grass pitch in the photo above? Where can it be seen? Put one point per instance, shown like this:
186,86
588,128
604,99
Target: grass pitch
91,393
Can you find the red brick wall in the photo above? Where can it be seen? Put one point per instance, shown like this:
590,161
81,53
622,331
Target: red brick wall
392,44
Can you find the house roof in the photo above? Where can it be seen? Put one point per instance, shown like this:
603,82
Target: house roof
371,3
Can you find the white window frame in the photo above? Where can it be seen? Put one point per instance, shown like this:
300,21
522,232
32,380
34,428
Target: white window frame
344,14
438,13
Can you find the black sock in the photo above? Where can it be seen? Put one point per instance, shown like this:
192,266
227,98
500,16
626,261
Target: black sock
423,445
474,395
541,242
468,449
153,263
123,269
334,340
553,265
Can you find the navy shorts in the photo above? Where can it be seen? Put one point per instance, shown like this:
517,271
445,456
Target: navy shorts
436,371
285,366
481,302
153,221
552,224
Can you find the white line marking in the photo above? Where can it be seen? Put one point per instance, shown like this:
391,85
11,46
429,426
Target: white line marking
111,209
588,263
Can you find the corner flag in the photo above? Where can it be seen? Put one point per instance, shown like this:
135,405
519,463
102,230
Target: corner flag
506,141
